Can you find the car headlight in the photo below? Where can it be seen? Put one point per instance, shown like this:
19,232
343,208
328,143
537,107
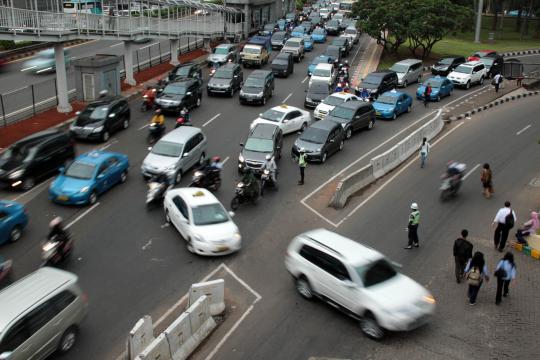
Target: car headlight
197,237
170,168
16,174
84,189
98,129
241,92
241,158
429,299
308,99
237,236
260,94
318,150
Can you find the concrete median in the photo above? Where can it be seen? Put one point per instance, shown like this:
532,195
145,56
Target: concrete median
140,337
350,185
158,349
214,290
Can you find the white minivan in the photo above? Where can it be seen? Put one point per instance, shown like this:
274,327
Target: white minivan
323,72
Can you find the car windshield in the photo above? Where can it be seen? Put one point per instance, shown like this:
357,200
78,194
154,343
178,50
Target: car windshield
175,89
400,68
299,29
322,72
350,31
209,214
373,80
387,99
342,113
272,115
307,38
80,170
292,43
446,61
375,272
318,88
487,62
339,41
94,113
259,145
182,71
434,83
314,135
320,60
463,69
318,31
280,61
221,51
252,50
167,148
278,36
223,74
19,154
333,23
332,51
333,100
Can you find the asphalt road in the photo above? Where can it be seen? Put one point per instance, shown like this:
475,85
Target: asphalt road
131,264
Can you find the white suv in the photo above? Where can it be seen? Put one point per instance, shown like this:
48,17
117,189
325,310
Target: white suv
359,280
468,73
331,101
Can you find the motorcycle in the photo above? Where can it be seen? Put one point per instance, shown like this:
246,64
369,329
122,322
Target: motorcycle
267,181
156,192
209,179
155,132
52,253
6,272
182,121
149,98
241,196
451,182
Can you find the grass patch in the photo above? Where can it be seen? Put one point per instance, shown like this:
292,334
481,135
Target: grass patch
506,39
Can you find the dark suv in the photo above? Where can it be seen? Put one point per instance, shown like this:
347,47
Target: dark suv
278,39
343,44
317,91
263,139
379,82
185,71
446,65
226,80
177,95
319,140
101,118
353,115
34,158
283,64
258,87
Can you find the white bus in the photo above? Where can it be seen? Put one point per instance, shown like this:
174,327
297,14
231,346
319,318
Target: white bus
82,6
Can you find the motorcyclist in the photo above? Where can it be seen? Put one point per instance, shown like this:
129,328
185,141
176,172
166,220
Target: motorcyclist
158,118
454,172
185,114
58,232
271,166
345,66
216,163
251,183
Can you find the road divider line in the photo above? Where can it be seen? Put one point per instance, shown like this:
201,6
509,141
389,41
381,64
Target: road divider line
113,141
115,45
522,130
33,189
405,167
471,171
226,159
303,81
212,119
320,215
237,278
147,46
287,98
142,127
82,215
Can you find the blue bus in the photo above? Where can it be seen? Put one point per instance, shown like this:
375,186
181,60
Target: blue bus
83,6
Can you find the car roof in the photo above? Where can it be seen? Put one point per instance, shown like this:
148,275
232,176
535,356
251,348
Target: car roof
39,137
353,105
294,39
263,130
260,73
353,252
194,196
25,293
106,101
283,55
324,66
324,125
381,73
226,46
342,95
184,81
284,108
181,134
408,62
472,63
96,156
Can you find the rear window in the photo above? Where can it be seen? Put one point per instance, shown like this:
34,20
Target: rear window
376,272
342,113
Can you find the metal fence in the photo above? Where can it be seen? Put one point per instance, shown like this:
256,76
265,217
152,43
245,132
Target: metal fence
28,101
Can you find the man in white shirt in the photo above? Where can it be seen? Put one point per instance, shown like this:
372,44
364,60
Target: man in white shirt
497,80
503,225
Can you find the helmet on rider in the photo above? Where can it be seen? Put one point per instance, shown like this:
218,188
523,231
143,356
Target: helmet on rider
103,93
414,206
55,222
158,111
268,157
216,159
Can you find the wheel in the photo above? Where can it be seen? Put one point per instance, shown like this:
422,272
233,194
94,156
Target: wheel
201,159
150,139
68,340
370,124
28,183
468,85
394,117
235,203
123,177
438,98
92,199
419,79
341,144
409,108
178,177
264,100
323,159
198,102
481,80
405,84
15,233
371,328
348,133
446,194
125,124
303,287
231,93
105,136
272,93
303,127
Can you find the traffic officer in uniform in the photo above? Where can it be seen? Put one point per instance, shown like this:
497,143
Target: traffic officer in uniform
412,228
302,163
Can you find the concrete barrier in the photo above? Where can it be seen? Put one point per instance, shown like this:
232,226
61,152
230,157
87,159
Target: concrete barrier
178,334
140,337
157,350
350,185
214,291
201,321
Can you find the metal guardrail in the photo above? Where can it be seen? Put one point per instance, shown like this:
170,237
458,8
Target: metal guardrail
36,96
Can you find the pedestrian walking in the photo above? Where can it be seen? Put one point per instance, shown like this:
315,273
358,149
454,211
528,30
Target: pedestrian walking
519,80
424,151
497,80
475,272
504,272
302,163
427,93
504,220
412,227
462,254
486,178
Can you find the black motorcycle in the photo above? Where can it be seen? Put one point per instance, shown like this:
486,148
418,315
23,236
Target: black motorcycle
54,251
450,185
155,132
242,195
156,192
208,178
267,181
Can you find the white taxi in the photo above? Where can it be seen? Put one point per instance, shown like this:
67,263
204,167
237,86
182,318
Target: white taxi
202,221
331,101
288,118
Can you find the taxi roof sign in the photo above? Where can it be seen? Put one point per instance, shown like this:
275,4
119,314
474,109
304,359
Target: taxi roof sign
198,193
285,106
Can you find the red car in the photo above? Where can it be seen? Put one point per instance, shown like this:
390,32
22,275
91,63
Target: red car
483,53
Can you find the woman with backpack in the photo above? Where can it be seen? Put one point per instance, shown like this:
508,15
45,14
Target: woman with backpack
504,272
475,273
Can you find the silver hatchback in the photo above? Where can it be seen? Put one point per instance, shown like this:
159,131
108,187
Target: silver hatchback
408,71
176,153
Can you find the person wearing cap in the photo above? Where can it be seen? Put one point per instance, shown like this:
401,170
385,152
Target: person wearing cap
412,228
302,163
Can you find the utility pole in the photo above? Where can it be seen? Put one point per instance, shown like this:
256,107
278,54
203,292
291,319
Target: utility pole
478,21
224,20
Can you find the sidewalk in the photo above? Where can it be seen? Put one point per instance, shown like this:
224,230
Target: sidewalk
368,62
50,118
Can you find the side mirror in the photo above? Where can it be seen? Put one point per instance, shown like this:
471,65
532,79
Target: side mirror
149,148
331,141
76,113
189,93
185,154
231,213
61,169
235,76
100,176
112,115
242,144
5,355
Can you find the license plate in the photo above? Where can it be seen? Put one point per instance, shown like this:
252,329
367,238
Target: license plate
378,113
222,248
63,198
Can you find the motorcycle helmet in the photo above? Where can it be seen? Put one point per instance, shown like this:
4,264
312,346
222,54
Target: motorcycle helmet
55,222
414,206
268,157
216,159
180,120
302,150
103,93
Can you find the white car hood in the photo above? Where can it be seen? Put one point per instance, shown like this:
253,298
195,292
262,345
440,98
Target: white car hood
456,75
159,162
400,76
324,107
397,292
319,78
217,57
216,232
264,121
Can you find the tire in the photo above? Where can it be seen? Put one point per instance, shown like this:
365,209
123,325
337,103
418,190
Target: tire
272,93
324,156
198,103
481,82
202,158
303,127
468,85
264,100
341,144
438,98
178,177
370,124
303,288
348,133
15,233
419,79
105,136
125,124
370,327
409,108
167,217
123,177
394,117
28,183
405,83
231,93
92,198
235,203
68,340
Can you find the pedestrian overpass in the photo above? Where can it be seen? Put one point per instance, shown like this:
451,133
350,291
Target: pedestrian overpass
156,19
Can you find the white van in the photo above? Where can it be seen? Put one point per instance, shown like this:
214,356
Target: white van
324,72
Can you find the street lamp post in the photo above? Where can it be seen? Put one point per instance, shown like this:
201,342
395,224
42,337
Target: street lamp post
224,20
478,21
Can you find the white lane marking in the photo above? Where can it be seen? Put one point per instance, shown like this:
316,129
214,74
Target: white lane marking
142,127
82,215
237,278
29,68
522,130
147,46
147,245
303,81
414,159
466,95
212,119
114,141
224,161
287,98
115,45
470,172
320,215
33,189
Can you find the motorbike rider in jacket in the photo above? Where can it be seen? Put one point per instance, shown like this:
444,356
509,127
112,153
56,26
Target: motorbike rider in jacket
251,183
271,166
58,232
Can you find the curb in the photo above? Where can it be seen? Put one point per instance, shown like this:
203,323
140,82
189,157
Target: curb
527,250
522,52
502,100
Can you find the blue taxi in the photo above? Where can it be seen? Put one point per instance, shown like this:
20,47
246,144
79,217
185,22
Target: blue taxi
13,219
281,24
298,31
308,42
321,59
440,87
392,103
319,35
89,176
